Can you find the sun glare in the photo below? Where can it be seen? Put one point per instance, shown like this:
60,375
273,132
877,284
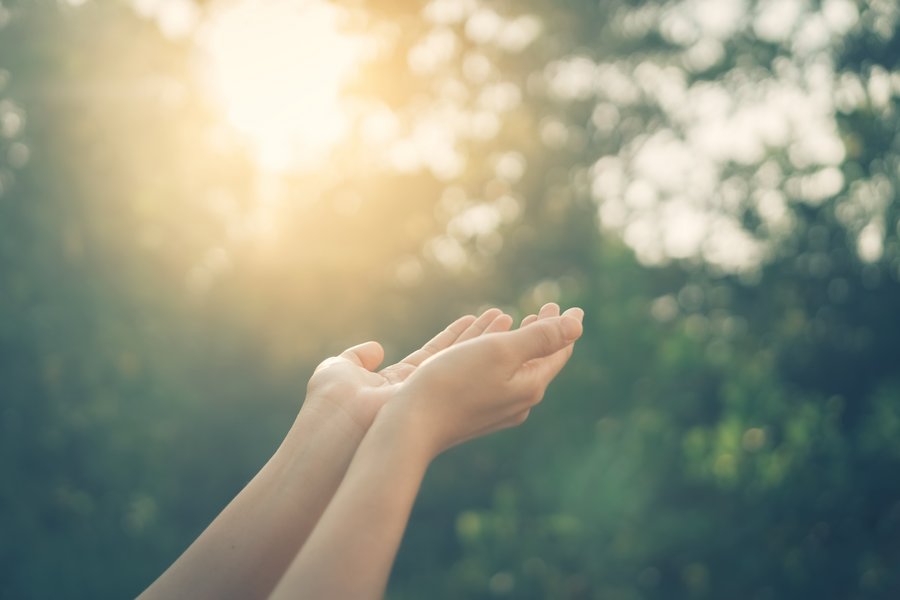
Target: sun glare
278,67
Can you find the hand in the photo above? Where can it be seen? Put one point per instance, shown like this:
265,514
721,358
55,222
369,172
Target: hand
458,386
487,383
349,384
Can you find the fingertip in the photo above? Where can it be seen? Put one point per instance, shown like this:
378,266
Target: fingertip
575,312
501,323
367,355
465,320
550,309
374,351
378,355
479,325
493,312
571,327
528,320
546,336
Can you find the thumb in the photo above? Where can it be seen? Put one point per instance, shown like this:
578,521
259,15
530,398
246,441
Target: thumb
367,355
546,336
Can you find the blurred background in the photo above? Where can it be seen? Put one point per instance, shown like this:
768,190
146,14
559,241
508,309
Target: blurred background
200,200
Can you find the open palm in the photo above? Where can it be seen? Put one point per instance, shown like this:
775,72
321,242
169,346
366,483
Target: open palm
350,384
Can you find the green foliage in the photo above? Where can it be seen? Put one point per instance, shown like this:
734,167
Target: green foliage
720,433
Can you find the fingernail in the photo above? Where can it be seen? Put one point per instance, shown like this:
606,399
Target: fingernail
571,327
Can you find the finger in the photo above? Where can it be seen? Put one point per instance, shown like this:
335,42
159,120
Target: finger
551,309
443,340
479,325
545,336
499,324
528,321
541,371
575,312
537,374
367,355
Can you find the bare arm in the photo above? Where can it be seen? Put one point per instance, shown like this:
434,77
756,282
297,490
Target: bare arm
351,552
246,549
466,391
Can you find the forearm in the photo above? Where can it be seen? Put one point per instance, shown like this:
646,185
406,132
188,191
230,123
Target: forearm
350,552
246,549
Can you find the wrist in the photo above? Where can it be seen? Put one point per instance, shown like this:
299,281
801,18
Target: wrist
336,411
317,425
408,428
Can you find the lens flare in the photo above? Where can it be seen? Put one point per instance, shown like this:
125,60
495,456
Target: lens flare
278,68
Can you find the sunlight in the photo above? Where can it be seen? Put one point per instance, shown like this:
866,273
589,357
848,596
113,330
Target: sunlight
278,68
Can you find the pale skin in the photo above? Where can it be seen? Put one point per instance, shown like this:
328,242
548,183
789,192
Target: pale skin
335,498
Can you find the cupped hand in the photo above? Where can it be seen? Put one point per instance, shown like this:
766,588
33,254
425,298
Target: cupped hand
350,385
487,383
